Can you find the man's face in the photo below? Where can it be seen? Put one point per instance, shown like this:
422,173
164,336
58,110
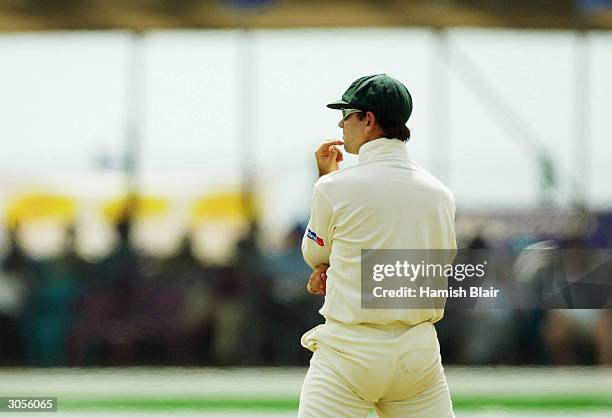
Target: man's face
353,132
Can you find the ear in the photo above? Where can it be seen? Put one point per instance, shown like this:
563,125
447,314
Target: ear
370,119
370,122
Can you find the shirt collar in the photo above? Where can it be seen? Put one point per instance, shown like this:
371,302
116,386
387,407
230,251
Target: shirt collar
383,149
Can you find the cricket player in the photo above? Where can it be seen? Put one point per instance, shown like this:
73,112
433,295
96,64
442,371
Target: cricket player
388,359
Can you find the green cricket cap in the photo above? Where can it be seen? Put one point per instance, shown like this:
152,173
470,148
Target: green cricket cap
386,97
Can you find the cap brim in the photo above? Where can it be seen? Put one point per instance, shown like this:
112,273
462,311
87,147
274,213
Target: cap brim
339,104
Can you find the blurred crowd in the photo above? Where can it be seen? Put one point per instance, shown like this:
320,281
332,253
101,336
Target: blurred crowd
530,330
130,308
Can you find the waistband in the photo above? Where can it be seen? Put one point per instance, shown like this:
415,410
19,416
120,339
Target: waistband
392,328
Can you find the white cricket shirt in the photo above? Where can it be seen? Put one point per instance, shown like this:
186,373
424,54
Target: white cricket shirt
386,201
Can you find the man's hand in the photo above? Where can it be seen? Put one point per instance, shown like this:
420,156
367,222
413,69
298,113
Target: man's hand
328,156
316,282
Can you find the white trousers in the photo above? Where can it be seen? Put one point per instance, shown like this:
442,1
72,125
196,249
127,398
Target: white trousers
395,368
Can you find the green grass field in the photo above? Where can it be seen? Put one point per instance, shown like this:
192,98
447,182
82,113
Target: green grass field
145,392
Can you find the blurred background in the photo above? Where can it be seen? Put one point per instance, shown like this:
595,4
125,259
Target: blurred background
156,171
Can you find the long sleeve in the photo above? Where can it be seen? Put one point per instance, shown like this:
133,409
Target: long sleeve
316,243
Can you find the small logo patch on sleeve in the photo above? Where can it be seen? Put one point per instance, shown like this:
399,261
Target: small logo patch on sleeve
313,236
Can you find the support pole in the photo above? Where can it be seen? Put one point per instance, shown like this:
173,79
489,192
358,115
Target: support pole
439,84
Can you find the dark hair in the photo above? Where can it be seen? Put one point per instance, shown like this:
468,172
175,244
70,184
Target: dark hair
390,129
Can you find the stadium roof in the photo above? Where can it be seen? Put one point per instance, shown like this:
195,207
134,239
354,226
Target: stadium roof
140,15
